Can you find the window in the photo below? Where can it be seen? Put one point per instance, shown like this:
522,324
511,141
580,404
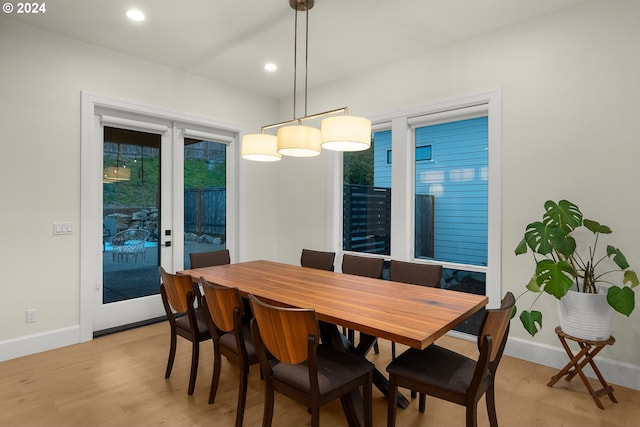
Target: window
440,165
451,197
367,199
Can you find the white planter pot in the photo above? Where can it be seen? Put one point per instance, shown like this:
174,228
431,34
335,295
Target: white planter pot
586,316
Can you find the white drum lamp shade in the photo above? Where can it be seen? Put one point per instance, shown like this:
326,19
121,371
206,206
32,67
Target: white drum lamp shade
299,141
346,133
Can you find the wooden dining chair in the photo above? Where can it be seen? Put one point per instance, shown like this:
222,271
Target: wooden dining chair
448,375
178,297
317,259
415,274
366,267
223,309
208,259
302,369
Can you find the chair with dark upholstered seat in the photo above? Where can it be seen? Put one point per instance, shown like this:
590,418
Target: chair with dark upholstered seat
415,274
207,259
223,309
362,266
317,259
366,267
448,375
302,369
178,297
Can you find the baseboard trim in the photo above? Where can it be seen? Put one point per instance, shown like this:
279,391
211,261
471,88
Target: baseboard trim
615,372
36,343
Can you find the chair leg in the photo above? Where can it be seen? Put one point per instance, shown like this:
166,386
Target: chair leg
315,415
392,399
242,395
367,396
195,355
491,406
472,414
268,405
376,347
393,350
422,403
215,378
172,354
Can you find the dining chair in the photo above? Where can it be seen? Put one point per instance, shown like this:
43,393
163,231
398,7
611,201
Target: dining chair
208,259
366,267
310,373
448,375
415,274
223,309
178,297
317,259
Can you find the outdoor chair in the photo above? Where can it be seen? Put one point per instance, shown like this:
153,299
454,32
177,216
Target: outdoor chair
293,362
178,297
129,243
448,375
223,309
317,259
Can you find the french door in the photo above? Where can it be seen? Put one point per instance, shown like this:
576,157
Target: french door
137,210
156,186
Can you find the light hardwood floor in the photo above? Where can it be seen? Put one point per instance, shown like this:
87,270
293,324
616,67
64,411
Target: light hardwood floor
118,380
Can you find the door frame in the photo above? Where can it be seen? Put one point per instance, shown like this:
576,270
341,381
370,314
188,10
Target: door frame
172,125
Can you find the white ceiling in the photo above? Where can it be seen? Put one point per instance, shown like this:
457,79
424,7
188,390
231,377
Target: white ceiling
231,40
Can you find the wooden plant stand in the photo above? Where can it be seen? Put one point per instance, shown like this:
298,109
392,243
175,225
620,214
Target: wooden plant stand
588,350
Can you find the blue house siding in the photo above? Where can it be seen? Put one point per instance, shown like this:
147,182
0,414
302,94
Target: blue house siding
456,176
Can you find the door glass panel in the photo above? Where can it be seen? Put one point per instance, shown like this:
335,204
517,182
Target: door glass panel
131,215
205,197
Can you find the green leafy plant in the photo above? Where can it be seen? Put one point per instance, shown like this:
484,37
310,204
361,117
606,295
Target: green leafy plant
561,266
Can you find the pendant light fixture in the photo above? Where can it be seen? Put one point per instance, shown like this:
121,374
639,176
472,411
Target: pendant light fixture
339,133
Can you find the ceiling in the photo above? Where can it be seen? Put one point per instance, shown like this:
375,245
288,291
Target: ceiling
230,41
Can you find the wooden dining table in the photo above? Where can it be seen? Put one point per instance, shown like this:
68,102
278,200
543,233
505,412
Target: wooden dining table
407,314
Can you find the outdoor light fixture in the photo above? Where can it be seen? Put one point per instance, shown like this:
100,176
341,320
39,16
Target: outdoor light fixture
339,133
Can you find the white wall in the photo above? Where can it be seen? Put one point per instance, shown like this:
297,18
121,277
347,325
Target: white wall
41,78
569,86
570,90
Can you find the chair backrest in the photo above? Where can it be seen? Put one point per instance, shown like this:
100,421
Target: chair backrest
177,287
362,266
416,274
496,325
208,259
221,303
317,259
285,331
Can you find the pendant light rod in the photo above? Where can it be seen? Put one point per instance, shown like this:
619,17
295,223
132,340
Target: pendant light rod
344,110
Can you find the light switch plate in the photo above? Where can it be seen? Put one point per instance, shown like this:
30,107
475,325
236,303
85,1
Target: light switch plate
62,228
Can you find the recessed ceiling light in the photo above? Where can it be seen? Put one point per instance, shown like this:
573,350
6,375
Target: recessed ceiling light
270,66
135,15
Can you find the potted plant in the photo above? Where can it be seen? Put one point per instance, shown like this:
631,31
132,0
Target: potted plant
561,267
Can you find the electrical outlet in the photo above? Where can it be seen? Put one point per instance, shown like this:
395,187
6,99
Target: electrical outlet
32,315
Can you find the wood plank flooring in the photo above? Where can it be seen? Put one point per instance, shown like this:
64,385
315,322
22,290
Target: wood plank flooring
118,380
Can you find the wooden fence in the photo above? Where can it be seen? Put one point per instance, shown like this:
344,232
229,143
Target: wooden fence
366,219
205,211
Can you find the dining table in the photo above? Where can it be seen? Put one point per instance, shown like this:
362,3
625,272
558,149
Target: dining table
407,314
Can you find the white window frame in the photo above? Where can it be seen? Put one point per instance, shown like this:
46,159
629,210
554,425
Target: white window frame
403,176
